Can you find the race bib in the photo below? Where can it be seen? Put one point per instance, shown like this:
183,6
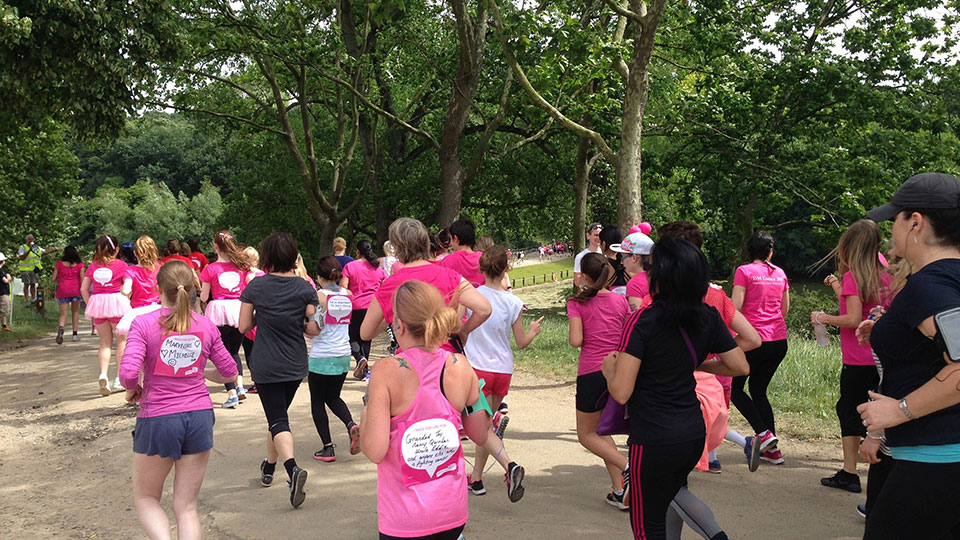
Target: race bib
621,290
430,449
179,356
339,309
103,275
229,281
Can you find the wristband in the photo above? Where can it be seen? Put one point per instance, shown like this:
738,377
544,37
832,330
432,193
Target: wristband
875,437
905,410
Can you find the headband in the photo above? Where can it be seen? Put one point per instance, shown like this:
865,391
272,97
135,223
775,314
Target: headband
112,245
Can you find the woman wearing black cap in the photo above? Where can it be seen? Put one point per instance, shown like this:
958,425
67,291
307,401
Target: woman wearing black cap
920,419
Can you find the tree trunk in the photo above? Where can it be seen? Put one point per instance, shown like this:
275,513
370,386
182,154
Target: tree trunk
327,233
580,184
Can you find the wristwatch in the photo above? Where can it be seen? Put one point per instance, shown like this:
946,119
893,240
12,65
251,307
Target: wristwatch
905,410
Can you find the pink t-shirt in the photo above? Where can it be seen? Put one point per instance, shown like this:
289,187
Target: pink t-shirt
467,264
765,285
638,286
68,280
445,280
225,279
180,387
106,278
144,289
853,353
363,280
602,318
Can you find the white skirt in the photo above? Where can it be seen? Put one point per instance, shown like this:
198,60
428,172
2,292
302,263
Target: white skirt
107,306
123,327
224,312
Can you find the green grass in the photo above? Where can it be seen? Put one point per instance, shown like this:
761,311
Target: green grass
27,324
536,272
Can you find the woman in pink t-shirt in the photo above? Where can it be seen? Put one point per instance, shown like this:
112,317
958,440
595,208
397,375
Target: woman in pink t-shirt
596,325
140,285
170,348
106,305
864,285
68,273
422,395
761,292
221,283
362,276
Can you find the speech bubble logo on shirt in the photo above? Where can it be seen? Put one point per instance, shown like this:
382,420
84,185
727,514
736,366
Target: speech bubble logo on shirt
180,352
339,307
429,444
229,280
102,275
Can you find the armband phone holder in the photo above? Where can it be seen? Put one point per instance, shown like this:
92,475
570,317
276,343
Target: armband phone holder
948,332
481,404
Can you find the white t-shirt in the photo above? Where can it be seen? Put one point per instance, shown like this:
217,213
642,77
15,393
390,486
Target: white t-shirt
488,347
579,257
333,340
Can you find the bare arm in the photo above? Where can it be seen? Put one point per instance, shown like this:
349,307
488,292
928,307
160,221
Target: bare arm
475,302
461,388
127,288
247,319
54,277
850,320
784,303
739,292
204,291
577,278
312,328
576,332
85,289
621,369
375,416
732,363
635,303
525,338
747,336
373,321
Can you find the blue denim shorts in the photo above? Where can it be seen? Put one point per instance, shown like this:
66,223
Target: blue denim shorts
172,435
69,299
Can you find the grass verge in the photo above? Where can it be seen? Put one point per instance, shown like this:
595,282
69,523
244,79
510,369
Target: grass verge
537,271
27,324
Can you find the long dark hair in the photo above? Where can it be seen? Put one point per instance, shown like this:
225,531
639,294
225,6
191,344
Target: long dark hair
600,272
71,255
365,249
759,246
328,268
678,280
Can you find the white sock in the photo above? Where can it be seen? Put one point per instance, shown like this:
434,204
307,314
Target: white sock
712,455
735,438
239,381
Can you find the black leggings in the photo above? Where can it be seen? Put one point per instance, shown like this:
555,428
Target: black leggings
656,474
359,348
248,352
756,408
325,390
855,381
232,339
275,398
876,478
452,534
916,501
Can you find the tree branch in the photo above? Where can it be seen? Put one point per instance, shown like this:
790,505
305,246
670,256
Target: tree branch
624,12
219,115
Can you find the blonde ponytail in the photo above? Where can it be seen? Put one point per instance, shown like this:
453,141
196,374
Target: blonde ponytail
437,330
175,281
420,307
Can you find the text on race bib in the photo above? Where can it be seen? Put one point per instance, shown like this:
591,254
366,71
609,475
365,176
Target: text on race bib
103,275
339,309
429,449
229,281
179,355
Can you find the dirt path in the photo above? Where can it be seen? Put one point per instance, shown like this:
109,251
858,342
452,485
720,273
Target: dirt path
65,457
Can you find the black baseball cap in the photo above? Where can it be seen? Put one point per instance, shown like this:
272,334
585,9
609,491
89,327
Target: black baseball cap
927,191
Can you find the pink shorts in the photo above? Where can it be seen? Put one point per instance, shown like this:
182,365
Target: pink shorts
113,320
496,383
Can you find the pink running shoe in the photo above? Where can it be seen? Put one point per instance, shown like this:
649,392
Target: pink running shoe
768,441
774,457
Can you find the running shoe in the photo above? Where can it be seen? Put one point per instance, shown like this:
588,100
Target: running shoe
252,389
361,372
231,402
514,480
774,457
617,501
476,487
265,478
117,387
862,510
60,336
354,440
327,454
625,484
843,480
714,467
104,383
768,441
76,337
241,393
500,422
297,480
503,407
752,450
7,328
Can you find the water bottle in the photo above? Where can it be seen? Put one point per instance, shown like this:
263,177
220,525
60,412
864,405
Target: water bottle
823,338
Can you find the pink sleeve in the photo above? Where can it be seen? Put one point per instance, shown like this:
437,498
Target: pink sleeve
849,285
219,355
80,272
89,272
740,277
134,356
205,274
573,309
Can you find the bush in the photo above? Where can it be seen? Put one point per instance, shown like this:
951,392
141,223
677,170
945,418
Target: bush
804,298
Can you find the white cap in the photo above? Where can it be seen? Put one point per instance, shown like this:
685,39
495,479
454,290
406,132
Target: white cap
635,243
3,257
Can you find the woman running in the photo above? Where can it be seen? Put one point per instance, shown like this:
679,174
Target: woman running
597,317
68,274
169,347
106,305
761,292
863,286
221,284
610,238
488,351
409,425
330,358
140,285
281,300
362,277
653,374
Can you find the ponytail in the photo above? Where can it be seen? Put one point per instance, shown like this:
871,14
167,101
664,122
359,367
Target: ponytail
225,243
599,270
437,329
365,248
329,268
175,281
420,307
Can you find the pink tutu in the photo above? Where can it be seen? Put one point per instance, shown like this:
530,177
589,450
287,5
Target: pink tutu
715,413
107,306
224,312
123,327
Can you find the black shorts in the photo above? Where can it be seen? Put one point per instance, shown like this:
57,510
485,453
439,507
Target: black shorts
854,383
590,389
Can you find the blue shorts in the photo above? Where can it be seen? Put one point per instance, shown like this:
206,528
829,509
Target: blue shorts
69,299
172,435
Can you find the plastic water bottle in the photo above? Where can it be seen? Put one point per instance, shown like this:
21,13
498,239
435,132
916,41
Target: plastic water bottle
823,338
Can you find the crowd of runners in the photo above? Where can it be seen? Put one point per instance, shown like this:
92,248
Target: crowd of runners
663,355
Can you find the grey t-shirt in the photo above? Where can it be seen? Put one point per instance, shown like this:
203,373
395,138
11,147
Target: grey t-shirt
280,351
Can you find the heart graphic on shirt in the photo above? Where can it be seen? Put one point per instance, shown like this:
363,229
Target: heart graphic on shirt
229,281
180,351
102,275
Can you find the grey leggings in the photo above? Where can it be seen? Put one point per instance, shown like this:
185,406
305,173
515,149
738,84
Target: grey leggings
687,508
